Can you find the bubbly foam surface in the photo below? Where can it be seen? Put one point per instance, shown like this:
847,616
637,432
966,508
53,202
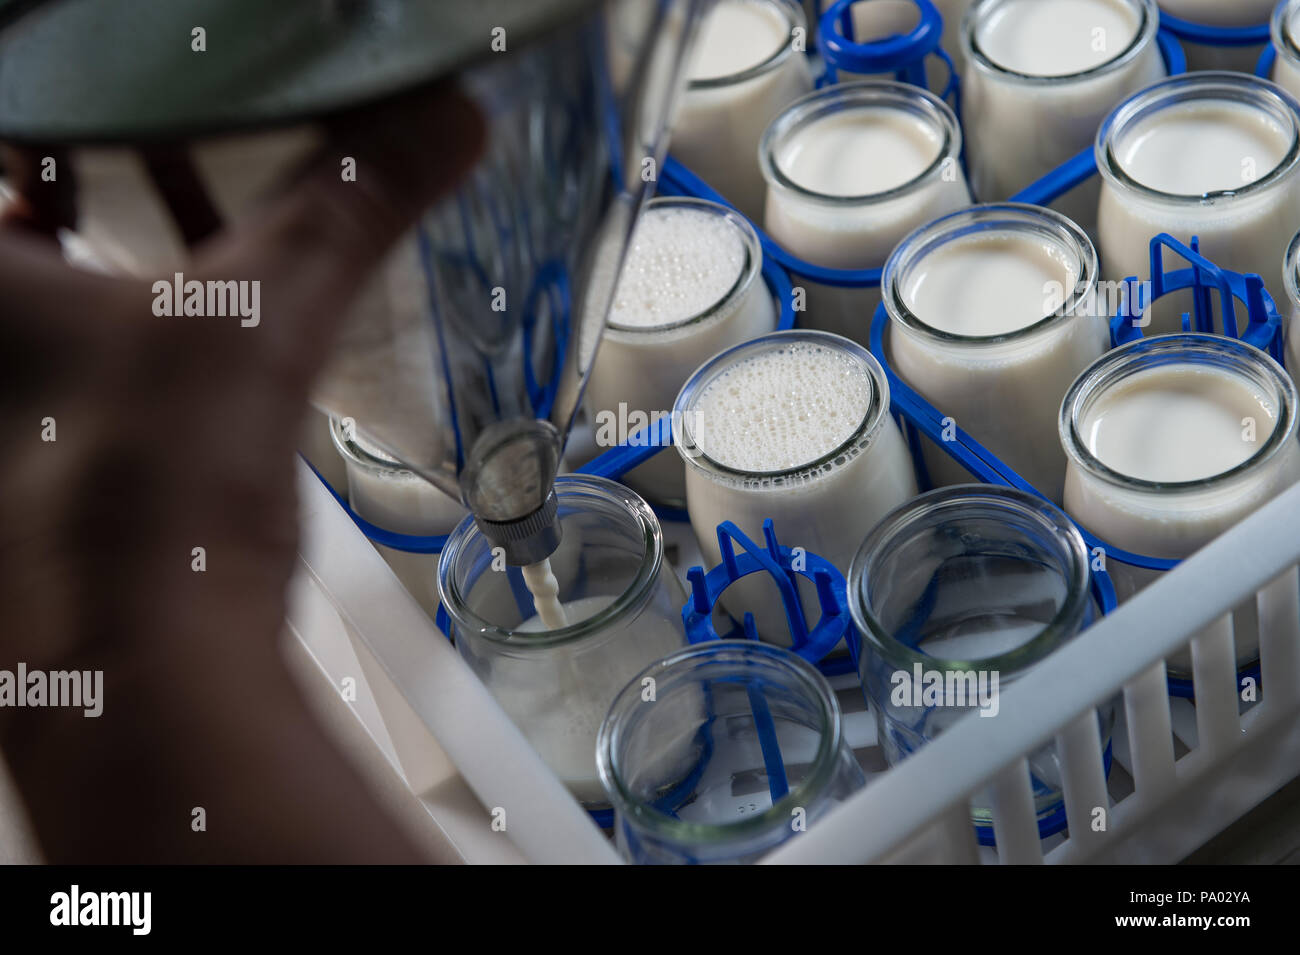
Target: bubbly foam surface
681,263
1178,423
782,408
1203,146
860,152
986,285
737,35
1058,38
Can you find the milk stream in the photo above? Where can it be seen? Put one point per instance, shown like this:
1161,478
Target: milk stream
545,589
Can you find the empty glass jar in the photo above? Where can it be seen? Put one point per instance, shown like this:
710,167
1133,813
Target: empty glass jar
722,752
957,594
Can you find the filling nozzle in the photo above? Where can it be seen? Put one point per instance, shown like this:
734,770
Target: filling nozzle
509,486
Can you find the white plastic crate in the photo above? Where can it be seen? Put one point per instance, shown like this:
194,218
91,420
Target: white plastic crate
918,811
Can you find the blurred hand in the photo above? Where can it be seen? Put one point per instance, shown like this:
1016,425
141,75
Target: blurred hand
171,434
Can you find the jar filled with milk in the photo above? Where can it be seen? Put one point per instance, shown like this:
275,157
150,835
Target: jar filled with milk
1040,78
850,170
691,286
793,426
1214,155
737,737
619,606
1171,441
380,490
958,594
745,68
993,312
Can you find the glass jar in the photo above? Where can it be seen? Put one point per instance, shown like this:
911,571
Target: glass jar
1036,88
850,215
623,605
1214,155
720,753
993,311
391,497
744,69
667,320
1224,445
958,594
793,426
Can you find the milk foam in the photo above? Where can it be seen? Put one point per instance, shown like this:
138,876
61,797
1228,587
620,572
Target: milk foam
737,35
1192,148
1058,38
782,408
680,264
1177,423
862,151
988,285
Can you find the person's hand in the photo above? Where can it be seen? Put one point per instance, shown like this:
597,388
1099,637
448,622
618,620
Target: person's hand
173,434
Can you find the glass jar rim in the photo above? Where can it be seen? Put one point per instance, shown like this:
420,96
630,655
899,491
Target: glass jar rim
1148,26
838,97
683,408
1005,218
1209,86
749,272
675,669
354,451
795,20
1010,504
1280,30
568,489
1183,348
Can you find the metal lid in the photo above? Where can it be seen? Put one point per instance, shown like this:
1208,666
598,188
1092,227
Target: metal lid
126,70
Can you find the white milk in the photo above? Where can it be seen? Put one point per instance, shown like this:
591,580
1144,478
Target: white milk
1186,422
1221,13
1286,30
1016,286
691,286
389,496
794,427
541,583
560,711
1169,159
1040,78
851,170
744,70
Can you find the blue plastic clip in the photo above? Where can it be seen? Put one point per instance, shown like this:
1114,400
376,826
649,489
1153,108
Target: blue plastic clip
1263,323
779,562
902,54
